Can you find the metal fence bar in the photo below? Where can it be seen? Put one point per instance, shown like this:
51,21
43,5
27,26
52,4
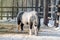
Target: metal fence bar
13,9
26,5
19,7
32,4
22,5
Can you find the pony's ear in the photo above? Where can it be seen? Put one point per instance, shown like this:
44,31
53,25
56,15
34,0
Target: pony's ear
34,11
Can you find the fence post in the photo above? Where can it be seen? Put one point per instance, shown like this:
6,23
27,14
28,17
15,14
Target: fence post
36,6
22,5
17,8
36,9
12,9
32,4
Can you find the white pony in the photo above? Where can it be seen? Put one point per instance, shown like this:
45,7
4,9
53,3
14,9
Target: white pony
29,18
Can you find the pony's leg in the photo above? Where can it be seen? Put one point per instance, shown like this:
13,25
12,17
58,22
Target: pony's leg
18,22
35,27
18,27
36,30
22,26
30,29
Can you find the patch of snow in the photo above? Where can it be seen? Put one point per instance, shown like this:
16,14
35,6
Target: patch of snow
27,37
51,23
41,21
3,20
57,29
12,20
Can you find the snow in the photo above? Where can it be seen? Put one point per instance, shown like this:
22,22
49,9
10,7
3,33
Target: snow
9,20
45,34
42,20
12,20
26,37
51,23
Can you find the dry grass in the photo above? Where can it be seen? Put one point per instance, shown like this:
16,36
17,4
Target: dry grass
7,27
11,28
